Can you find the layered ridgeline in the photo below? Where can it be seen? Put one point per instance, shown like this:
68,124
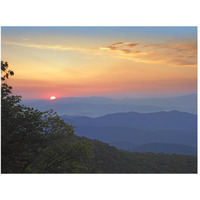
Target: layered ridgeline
168,132
98,106
40,142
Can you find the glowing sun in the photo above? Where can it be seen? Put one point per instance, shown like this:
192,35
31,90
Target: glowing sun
52,98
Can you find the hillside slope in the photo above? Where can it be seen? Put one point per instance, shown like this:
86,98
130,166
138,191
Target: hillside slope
108,159
166,148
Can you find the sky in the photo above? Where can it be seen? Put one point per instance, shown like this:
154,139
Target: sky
101,61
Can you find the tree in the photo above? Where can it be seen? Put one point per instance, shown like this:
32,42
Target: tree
37,142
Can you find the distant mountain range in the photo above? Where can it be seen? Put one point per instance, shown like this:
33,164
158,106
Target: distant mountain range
98,106
130,130
159,121
154,124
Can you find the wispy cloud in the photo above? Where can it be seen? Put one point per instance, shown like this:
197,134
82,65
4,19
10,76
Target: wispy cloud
115,45
132,44
118,43
119,47
128,51
177,53
51,47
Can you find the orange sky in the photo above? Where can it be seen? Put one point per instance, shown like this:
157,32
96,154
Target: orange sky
100,61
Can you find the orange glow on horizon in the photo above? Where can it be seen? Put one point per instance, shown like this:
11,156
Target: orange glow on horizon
84,65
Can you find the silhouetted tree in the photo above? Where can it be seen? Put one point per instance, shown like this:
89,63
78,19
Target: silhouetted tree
34,141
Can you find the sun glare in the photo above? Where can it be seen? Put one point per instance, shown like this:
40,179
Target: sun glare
52,98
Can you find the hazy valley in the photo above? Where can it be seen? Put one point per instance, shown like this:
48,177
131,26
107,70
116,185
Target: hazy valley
166,125
99,106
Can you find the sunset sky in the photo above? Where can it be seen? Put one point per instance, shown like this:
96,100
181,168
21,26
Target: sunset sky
101,61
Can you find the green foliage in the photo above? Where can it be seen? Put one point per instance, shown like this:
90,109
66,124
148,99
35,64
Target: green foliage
108,159
37,142
62,155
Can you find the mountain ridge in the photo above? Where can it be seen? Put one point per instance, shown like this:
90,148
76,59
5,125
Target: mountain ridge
98,106
172,120
128,130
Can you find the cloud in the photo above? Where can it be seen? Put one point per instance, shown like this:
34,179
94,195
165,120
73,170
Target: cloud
128,51
112,47
51,47
177,53
118,43
182,53
115,45
119,47
132,44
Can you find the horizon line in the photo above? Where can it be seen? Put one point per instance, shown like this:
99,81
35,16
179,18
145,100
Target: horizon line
117,98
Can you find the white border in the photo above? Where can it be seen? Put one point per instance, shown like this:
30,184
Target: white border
100,13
